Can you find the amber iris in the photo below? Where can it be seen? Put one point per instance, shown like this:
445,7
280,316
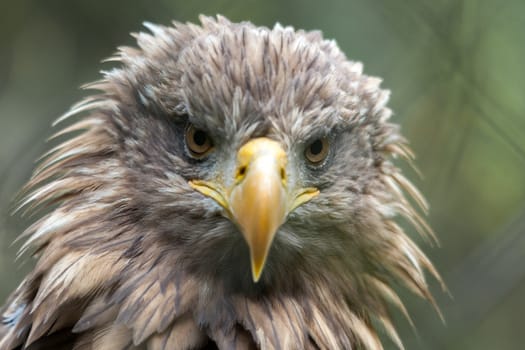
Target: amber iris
317,151
198,142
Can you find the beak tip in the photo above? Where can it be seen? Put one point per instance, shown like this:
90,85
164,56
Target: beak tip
256,271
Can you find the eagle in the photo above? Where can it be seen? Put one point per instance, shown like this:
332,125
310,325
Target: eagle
226,186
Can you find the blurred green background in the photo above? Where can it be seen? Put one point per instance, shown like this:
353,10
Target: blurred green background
457,72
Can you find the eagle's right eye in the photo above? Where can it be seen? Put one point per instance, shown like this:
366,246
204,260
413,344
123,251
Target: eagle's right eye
317,151
198,142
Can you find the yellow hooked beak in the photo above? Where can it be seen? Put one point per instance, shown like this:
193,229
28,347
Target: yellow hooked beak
260,197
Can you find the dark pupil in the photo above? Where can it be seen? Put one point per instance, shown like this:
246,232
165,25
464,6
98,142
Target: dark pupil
200,137
316,147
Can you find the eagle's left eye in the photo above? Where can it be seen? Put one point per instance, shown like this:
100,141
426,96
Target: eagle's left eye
317,151
198,142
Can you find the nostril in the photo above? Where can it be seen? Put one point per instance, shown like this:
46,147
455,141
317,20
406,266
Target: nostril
283,174
242,171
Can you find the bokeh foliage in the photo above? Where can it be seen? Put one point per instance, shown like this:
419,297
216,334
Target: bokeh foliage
457,74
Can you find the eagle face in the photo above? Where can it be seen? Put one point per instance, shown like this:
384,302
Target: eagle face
228,185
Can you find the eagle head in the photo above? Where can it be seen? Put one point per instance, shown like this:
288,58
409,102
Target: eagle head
226,185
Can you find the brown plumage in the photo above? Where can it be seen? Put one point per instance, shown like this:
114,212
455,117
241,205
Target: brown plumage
211,146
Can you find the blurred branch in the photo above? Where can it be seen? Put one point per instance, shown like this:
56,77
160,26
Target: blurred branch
486,277
424,16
